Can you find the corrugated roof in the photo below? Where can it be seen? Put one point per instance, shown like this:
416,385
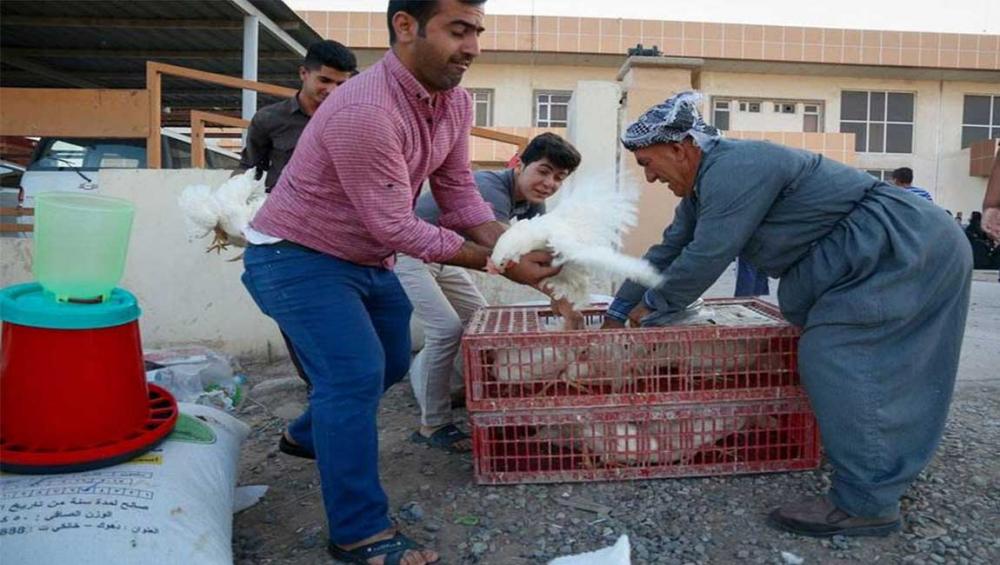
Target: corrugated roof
106,43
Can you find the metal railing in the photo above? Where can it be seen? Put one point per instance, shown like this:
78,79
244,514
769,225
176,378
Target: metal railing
7,227
199,119
154,84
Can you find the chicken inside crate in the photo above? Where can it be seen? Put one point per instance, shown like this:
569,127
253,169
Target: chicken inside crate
520,357
591,444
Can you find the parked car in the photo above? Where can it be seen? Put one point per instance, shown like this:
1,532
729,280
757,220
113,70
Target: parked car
10,174
70,164
10,194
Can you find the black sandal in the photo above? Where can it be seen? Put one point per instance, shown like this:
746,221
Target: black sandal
393,549
294,449
444,438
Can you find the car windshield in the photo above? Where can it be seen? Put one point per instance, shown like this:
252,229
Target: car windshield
89,154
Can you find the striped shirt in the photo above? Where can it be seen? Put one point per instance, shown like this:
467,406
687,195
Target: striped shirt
351,184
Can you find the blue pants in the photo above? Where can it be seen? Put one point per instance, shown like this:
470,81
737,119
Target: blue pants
750,281
350,326
882,301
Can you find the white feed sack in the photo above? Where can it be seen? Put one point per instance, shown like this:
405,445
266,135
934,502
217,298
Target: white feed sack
172,505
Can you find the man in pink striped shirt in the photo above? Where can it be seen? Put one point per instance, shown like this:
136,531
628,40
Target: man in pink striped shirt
326,240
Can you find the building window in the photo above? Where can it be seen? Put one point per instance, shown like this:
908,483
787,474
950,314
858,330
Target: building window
720,117
730,113
482,105
881,174
810,117
552,108
980,119
882,122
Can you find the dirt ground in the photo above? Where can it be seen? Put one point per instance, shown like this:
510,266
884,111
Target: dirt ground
953,510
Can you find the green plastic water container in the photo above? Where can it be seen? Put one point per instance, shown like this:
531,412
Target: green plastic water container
81,241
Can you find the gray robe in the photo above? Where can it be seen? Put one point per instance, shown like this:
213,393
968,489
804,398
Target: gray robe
877,278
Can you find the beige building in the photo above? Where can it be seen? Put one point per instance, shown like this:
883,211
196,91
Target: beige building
911,99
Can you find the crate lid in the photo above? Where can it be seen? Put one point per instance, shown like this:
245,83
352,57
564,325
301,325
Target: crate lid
29,304
720,314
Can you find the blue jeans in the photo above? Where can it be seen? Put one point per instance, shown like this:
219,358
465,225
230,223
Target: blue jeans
350,326
750,281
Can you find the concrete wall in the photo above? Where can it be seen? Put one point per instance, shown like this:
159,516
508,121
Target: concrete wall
765,120
15,260
646,86
957,190
593,130
187,295
514,86
938,162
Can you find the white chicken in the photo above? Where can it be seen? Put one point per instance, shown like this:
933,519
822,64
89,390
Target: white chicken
534,365
584,232
656,442
707,359
226,211
616,367
593,366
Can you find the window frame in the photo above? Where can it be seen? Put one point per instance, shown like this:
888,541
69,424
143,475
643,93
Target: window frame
727,110
886,173
885,122
490,95
818,112
994,111
741,104
536,106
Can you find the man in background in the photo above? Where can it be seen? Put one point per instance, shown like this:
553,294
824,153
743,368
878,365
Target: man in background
275,129
991,204
903,178
750,281
444,297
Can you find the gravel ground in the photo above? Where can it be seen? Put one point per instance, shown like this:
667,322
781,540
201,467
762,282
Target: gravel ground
952,512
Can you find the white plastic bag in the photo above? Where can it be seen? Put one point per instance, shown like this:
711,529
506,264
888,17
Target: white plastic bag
172,505
195,374
618,554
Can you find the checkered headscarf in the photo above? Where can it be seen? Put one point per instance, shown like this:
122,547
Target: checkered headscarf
673,120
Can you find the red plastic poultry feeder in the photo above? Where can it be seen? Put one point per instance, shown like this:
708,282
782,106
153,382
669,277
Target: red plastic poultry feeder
73,391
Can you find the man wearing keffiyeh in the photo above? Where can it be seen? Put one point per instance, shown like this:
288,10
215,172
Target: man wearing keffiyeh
851,253
674,120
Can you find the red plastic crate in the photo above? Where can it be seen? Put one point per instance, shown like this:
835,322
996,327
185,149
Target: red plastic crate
605,444
518,358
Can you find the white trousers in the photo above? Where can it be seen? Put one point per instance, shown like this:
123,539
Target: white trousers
444,299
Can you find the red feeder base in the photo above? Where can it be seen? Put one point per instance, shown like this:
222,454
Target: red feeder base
73,391
27,459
